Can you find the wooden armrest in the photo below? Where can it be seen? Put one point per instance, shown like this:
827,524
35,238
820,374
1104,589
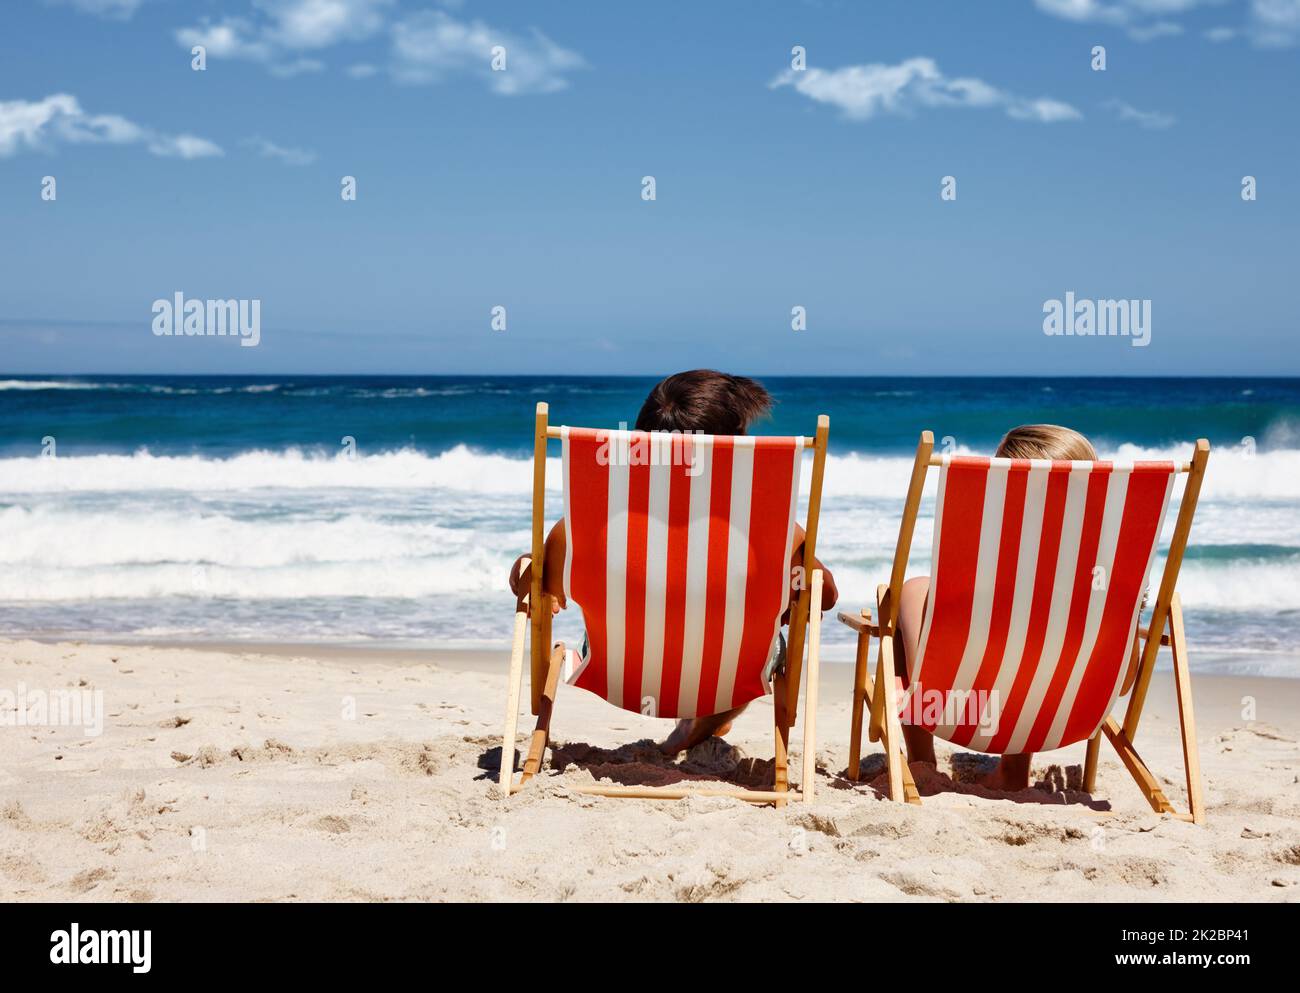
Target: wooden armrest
1143,633
859,622
522,606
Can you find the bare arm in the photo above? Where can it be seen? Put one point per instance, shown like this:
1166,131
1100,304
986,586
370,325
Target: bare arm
521,583
553,571
830,592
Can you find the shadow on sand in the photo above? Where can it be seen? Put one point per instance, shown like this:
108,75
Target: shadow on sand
1055,785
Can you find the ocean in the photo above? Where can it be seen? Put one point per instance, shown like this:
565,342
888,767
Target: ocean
386,511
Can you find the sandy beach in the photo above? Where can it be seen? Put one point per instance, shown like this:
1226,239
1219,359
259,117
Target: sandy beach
301,773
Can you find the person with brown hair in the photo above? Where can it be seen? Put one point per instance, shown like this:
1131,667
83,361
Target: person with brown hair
1029,441
701,401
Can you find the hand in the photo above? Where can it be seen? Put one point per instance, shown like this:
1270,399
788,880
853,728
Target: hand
521,576
521,583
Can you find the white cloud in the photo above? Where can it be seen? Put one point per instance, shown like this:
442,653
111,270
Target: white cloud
1083,10
302,24
1274,23
1119,11
289,156
283,29
864,91
113,10
297,67
41,125
1143,20
231,38
431,45
1268,23
427,46
1043,110
1150,119
183,146
1156,29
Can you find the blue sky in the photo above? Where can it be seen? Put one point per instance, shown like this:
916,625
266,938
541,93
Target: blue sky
774,188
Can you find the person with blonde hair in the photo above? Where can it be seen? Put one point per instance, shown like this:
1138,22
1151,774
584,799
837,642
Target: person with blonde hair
1029,441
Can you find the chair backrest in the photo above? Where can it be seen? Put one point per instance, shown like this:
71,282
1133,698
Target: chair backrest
1037,576
678,552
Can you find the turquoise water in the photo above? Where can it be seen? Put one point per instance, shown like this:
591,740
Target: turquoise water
220,507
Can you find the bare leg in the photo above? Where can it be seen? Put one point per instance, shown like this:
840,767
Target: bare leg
1012,773
911,612
690,733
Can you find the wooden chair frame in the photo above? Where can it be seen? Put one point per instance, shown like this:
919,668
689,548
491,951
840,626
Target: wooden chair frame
878,696
534,625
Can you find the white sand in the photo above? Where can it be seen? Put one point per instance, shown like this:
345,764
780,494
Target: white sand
229,776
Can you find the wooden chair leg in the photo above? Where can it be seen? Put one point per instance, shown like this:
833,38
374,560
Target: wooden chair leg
1137,768
547,602
910,793
780,763
859,698
1090,763
794,655
876,726
892,732
1186,718
541,735
514,688
1120,736
807,782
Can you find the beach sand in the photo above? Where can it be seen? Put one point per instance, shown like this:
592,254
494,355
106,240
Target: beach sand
304,773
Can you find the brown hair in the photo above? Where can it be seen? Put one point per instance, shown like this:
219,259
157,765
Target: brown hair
704,400
1045,441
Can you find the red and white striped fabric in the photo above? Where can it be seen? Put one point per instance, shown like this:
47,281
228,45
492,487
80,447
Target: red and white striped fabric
679,555
1037,575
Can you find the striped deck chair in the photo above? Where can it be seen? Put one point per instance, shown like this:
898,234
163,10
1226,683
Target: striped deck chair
1031,630
678,553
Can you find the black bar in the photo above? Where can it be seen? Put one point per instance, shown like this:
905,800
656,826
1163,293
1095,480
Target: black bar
334,942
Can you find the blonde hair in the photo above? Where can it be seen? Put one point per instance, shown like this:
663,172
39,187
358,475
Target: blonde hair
1045,441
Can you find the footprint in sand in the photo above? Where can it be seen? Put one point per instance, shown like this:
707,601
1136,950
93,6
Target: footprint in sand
331,824
88,879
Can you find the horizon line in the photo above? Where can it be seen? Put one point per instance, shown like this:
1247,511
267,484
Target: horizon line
632,375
